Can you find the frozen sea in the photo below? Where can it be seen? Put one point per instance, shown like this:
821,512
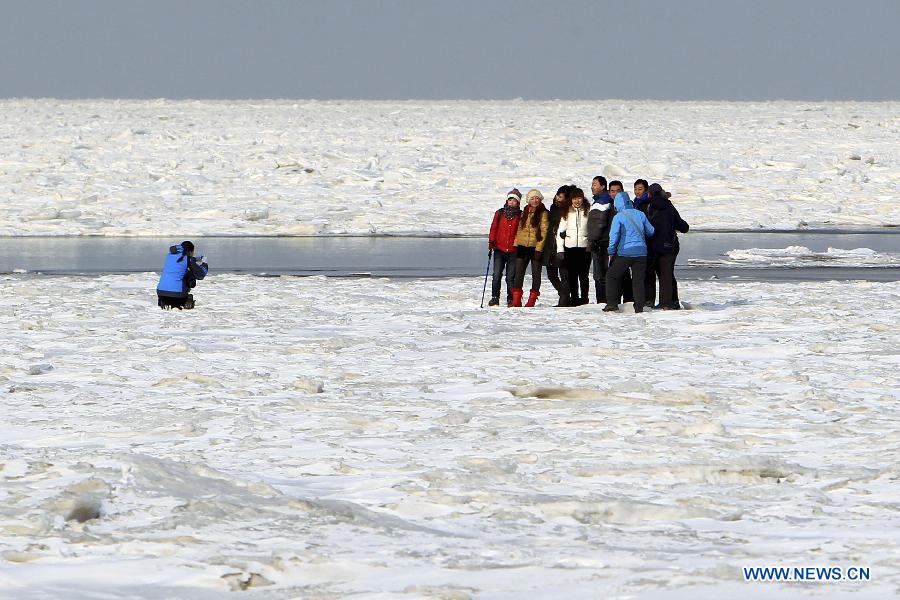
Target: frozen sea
116,167
387,439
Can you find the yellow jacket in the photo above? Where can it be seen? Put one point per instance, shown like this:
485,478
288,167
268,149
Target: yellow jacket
527,235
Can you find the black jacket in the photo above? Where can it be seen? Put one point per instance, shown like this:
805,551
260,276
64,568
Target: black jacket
666,221
599,219
550,244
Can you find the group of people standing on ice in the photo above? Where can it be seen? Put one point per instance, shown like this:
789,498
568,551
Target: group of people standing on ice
628,245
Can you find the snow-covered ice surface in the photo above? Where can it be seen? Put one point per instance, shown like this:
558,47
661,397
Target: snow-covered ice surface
322,438
801,256
319,168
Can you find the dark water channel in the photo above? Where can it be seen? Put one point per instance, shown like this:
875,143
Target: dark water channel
411,257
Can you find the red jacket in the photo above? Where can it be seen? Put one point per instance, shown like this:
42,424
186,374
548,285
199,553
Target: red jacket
503,232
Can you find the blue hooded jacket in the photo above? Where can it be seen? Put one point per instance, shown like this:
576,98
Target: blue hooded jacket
629,230
174,278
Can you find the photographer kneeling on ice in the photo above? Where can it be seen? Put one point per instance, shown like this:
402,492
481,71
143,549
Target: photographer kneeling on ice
180,273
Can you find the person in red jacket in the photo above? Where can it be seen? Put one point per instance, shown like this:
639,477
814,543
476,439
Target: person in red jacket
502,242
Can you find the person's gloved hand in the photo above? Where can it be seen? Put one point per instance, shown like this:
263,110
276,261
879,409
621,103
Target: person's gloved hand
492,245
562,235
595,246
538,255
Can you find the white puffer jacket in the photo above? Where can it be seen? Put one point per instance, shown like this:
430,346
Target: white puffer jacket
576,231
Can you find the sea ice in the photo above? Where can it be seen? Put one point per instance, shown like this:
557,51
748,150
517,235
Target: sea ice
189,168
405,443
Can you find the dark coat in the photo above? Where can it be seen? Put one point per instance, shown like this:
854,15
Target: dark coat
550,244
642,202
666,221
599,219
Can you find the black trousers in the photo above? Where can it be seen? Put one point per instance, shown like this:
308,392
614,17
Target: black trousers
553,277
179,302
615,276
599,267
650,280
577,266
525,255
663,268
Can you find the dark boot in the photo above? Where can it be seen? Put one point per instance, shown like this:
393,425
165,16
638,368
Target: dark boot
532,298
517,297
494,302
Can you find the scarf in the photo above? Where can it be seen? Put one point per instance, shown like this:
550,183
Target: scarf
510,212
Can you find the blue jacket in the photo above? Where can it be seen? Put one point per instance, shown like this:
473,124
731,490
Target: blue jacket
629,230
178,271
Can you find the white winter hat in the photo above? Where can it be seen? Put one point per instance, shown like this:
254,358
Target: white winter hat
534,194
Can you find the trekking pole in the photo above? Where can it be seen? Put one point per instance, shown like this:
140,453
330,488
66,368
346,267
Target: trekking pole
486,270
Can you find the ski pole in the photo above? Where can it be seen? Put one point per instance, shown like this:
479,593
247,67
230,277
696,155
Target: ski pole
486,270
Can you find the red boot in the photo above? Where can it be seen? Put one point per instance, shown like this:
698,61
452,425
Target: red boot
532,298
517,297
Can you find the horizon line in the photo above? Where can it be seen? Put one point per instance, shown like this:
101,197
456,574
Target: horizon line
412,100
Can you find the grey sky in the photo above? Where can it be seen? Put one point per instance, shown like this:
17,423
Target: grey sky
429,49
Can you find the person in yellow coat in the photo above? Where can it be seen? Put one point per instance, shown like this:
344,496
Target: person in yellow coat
530,239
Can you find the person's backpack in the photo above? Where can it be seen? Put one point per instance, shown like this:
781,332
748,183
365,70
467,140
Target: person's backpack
190,280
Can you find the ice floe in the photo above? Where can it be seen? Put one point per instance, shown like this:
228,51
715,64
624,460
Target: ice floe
313,437
117,167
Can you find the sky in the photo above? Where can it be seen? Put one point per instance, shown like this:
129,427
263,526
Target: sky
452,49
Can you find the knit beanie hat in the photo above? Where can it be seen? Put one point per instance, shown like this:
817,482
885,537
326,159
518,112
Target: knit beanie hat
534,194
515,194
